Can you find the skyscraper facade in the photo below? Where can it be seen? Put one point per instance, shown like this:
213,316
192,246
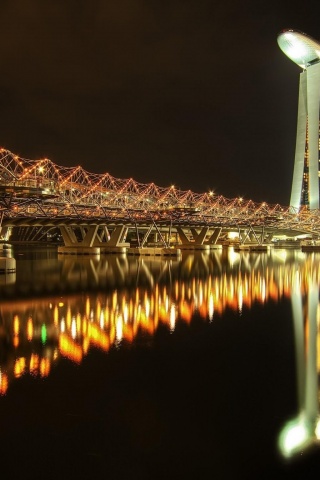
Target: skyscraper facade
305,52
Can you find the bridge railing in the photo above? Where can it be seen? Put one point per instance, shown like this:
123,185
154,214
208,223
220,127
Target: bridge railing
31,182
44,189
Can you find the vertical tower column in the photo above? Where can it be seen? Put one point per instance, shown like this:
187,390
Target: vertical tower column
308,112
304,51
300,143
313,103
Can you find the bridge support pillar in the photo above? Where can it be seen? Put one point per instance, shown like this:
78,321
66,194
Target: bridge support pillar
215,236
7,264
5,233
117,236
183,237
90,236
73,247
93,243
199,237
250,236
197,243
116,242
68,235
255,239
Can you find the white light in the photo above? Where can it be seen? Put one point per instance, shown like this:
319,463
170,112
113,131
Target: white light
299,47
73,328
240,299
125,314
211,307
172,317
295,438
147,307
119,328
233,235
263,289
101,319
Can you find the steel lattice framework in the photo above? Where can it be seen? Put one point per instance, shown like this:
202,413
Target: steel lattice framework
40,189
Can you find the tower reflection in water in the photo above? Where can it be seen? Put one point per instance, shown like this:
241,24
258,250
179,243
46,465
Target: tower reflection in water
304,430
36,333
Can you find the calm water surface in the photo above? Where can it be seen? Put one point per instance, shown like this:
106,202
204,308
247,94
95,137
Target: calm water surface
119,367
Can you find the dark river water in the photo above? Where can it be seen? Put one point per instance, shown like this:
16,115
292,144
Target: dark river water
147,368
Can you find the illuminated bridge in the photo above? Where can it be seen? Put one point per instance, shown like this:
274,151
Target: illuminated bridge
110,214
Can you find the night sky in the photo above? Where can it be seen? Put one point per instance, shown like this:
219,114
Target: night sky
194,93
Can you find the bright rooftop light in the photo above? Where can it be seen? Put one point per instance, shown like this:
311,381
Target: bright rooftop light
299,47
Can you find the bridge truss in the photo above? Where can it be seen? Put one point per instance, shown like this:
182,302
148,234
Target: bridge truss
41,193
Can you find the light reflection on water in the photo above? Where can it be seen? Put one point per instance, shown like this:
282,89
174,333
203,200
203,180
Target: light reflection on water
61,308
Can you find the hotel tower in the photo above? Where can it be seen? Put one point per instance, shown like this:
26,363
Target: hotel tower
305,52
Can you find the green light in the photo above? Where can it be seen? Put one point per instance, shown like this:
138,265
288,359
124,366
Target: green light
44,334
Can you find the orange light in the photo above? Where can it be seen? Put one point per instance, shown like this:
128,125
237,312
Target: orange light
55,316
34,364
69,348
16,325
98,337
29,329
19,367
3,384
45,367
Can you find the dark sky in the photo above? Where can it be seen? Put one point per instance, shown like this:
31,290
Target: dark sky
194,93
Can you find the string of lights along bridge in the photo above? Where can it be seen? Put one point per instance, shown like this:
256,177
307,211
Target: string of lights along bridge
101,211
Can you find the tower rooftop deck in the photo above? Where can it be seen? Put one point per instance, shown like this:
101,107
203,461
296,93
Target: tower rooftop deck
299,47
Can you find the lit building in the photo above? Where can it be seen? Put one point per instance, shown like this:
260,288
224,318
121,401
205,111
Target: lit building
305,52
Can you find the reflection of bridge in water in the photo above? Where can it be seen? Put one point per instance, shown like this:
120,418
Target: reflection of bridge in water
106,213
36,333
65,274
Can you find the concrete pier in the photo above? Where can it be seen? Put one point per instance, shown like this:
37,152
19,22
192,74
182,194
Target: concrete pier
251,247
154,251
79,250
311,247
116,250
7,265
5,247
216,246
189,247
